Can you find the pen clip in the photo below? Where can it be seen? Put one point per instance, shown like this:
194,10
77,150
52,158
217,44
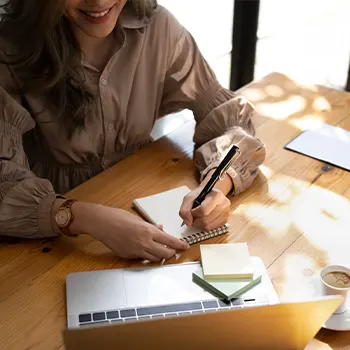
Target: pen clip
223,171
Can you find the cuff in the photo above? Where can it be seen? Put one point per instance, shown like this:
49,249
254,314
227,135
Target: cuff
46,221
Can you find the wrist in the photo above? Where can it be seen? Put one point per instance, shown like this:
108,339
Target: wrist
225,185
84,218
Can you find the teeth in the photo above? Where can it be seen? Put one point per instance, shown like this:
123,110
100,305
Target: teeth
97,15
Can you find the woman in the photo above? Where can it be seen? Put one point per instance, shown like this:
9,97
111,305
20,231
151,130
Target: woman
82,83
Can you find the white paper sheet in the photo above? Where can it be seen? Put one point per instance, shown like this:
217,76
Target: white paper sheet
325,142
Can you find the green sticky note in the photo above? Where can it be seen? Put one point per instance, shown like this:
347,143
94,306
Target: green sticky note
225,288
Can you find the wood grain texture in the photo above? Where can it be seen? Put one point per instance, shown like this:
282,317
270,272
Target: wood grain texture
295,216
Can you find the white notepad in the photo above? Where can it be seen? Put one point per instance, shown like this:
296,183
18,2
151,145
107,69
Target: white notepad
226,261
326,143
163,208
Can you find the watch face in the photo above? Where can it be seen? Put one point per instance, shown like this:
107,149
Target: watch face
62,218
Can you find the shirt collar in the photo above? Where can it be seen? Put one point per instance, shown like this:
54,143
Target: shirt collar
129,19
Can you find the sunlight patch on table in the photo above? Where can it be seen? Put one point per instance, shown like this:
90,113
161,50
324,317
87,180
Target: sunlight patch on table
324,217
284,109
275,215
309,121
274,90
254,94
321,104
297,284
273,219
281,192
266,171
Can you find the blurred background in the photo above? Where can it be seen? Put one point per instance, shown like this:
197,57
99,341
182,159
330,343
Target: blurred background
308,40
244,40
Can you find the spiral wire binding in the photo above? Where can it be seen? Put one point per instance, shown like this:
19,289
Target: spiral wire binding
203,235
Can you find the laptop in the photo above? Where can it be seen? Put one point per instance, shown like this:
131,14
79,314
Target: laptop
161,307
133,294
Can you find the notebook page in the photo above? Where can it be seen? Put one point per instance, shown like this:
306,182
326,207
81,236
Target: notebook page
163,208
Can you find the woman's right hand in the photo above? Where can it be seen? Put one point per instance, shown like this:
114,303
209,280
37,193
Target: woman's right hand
124,233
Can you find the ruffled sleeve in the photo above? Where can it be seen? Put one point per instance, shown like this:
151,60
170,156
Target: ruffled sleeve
25,200
222,117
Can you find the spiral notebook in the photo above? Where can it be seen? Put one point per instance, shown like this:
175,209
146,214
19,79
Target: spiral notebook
163,208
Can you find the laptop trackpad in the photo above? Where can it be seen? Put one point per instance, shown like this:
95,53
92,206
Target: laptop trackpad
95,291
162,285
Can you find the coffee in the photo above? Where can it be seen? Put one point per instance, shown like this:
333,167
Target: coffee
337,279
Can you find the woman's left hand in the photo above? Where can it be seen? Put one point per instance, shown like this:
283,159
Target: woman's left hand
211,214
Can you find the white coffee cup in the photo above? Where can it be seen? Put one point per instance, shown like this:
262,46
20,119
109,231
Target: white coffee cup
329,289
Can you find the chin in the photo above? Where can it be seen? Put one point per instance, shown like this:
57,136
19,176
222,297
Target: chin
98,33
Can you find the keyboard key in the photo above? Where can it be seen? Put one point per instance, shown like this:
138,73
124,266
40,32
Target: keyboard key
210,304
197,312
98,316
250,300
85,318
127,313
237,302
171,315
210,310
224,303
131,319
157,316
112,314
184,313
168,308
94,324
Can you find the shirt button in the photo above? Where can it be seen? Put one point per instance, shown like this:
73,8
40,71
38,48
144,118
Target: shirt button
110,127
103,81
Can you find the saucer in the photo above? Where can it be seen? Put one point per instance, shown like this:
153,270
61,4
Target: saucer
339,322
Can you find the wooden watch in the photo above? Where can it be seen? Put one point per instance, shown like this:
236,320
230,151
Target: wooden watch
64,217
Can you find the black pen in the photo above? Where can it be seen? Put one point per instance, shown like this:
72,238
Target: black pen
217,175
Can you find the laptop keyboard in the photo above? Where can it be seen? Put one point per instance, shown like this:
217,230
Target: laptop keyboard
173,310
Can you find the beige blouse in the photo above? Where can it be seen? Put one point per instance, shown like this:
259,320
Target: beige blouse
156,69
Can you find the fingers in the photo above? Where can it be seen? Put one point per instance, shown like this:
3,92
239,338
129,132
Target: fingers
215,223
170,241
213,212
150,257
205,221
160,251
185,210
207,206
214,198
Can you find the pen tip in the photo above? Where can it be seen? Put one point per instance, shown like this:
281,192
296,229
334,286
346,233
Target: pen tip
183,223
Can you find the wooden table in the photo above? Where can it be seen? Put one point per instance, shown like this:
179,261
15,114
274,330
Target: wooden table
295,216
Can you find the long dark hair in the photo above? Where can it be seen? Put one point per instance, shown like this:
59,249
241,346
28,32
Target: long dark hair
46,57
